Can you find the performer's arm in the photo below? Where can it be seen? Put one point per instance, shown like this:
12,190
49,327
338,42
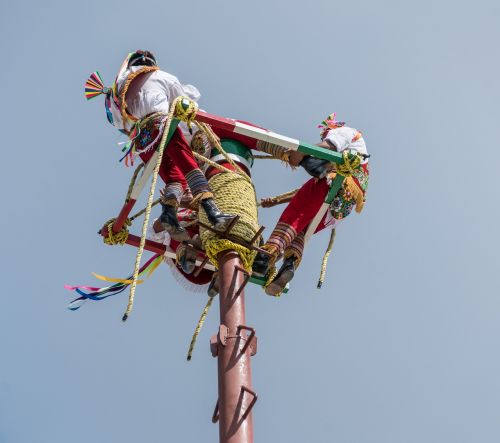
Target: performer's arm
296,157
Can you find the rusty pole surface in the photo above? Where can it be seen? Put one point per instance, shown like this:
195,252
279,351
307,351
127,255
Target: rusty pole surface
234,345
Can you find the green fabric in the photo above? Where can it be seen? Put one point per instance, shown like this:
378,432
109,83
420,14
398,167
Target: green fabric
235,147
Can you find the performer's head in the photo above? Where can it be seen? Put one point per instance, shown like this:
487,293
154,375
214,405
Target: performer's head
142,58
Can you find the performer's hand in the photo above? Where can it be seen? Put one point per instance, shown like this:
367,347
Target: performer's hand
267,202
103,231
314,166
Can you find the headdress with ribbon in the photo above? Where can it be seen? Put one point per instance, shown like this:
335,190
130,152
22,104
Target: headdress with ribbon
329,123
94,86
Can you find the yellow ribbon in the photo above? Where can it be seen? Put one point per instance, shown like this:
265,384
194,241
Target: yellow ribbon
115,280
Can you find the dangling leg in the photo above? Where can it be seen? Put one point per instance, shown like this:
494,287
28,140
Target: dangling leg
292,259
297,215
175,184
170,199
180,153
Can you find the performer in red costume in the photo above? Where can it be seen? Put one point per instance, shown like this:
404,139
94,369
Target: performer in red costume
138,105
288,237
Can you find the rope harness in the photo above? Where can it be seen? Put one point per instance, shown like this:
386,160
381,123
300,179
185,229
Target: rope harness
234,193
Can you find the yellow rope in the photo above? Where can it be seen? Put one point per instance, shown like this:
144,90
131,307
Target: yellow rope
198,327
325,259
211,163
118,238
350,164
149,205
234,195
214,140
188,114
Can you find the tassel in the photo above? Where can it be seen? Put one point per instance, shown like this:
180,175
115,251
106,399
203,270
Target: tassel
94,86
352,187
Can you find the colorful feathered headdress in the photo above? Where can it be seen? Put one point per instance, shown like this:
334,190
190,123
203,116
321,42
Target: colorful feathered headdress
329,123
94,86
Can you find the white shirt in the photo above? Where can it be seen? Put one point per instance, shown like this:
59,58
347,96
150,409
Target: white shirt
342,138
154,92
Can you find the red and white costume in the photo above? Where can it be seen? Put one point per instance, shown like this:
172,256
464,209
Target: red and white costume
139,106
288,237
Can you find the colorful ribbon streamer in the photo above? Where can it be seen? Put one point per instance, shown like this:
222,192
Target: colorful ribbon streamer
97,294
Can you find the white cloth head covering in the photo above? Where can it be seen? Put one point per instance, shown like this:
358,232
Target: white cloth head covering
344,137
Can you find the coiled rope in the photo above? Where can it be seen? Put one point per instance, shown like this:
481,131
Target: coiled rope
233,195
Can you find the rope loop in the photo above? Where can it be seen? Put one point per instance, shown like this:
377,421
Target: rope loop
185,110
352,161
118,238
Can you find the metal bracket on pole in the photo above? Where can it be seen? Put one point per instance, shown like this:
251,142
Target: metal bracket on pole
215,415
245,281
222,335
219,339
250,340
252,403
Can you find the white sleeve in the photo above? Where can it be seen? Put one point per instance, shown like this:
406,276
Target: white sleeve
162,88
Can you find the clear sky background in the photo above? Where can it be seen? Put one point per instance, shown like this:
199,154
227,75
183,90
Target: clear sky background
402,343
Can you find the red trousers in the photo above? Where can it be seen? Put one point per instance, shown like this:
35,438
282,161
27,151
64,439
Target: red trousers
305,205
177,160
288,236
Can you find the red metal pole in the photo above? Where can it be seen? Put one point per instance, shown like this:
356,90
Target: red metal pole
234,345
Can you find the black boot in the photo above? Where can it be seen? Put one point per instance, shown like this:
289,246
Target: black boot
260,266
187,258
218,219
285,275
168,219
315,166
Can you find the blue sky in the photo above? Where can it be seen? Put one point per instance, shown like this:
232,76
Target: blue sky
401,343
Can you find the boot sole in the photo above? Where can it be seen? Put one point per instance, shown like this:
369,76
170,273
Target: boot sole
277,286
188,263
224,224
177,234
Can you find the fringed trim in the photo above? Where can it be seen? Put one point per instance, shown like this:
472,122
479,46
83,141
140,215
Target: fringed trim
123,93
356,193
214,246
351,191
179,278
